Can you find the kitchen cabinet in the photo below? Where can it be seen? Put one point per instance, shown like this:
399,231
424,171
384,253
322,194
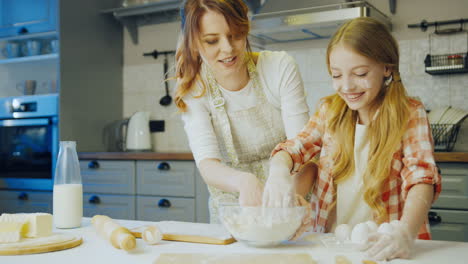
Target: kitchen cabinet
152,190
21,17
25,201
86,70
450,211
166,190
108,188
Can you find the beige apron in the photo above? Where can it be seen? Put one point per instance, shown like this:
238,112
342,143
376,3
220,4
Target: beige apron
245,138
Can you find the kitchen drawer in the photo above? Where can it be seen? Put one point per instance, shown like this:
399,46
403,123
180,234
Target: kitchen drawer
25,202
108,176
158,208
171,178
114,206
454,186
453,227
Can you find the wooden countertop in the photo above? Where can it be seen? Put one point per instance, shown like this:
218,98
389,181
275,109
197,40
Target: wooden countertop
135,156
439,156
451,156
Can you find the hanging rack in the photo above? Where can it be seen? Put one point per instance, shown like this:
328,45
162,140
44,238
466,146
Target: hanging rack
424,25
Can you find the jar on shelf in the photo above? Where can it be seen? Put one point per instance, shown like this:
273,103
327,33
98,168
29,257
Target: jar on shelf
455,59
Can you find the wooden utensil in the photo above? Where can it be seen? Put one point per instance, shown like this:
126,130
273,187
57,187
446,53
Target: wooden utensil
190,232
50,243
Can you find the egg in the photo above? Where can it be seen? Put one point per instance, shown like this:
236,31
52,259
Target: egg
372,226
360,233
342,232
385,228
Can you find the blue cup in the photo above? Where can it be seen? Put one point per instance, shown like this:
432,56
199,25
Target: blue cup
54,46
11,50
32,48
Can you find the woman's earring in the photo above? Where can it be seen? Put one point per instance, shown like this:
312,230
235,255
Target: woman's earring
389,80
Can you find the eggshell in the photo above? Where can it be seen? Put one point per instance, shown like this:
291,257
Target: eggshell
342,232
360,233
385,228
372,226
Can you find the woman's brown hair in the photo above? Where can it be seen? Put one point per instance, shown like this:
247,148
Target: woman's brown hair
188,61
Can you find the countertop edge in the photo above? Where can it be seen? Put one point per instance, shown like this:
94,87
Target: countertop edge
451,156
134,156
439,156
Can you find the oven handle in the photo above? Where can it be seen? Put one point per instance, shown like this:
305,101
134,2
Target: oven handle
24,122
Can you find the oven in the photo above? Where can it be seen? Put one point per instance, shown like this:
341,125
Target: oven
28,141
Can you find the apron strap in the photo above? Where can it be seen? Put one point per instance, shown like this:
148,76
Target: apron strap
218,102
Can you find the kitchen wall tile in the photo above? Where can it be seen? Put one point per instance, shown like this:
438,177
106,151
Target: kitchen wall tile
418,52
141,81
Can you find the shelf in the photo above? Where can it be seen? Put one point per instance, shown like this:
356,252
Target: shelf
134,16
30,36
30,59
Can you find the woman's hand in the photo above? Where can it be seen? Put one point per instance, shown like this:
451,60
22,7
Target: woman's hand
250,191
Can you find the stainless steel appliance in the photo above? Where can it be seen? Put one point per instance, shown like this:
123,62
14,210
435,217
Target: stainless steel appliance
28,141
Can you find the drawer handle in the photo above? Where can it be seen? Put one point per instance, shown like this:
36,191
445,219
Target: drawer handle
94,199
164,203
23,30
164,166
23,196
434,218
94,164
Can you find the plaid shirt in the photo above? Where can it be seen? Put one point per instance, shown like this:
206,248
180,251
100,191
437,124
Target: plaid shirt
413,163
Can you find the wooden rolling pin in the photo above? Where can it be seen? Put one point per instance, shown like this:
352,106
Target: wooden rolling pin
119,236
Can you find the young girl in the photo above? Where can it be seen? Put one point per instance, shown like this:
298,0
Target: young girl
236,105
375,145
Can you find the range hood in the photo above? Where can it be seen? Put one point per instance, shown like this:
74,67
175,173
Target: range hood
279,21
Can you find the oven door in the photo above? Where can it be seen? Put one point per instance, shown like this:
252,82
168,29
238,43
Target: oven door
28,148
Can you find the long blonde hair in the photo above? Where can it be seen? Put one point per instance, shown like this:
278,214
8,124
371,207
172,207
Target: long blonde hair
371,39
188,61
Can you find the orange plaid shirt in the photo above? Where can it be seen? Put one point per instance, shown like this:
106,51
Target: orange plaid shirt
413,163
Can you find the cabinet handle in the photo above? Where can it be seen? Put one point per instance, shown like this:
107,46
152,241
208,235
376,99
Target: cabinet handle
164,166
23,31
23,196
164,203
94,199
94,164
434,218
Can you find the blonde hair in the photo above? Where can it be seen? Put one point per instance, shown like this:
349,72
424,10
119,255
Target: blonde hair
188,61
371,39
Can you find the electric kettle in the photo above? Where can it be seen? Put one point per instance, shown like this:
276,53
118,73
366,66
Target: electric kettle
138,132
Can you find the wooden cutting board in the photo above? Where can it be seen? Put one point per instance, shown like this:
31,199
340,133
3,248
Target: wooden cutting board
190,232
54,242
196,258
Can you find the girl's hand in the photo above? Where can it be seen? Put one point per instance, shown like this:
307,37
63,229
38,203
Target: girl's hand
279,188
306,220
396,243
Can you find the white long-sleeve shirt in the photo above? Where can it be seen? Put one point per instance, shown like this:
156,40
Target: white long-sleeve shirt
283,87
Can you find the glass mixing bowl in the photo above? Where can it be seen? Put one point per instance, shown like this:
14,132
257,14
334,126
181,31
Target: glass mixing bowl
260,226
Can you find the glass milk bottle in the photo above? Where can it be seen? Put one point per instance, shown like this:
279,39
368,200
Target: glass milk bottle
68,191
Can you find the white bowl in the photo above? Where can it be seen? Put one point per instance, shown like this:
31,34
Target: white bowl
259,226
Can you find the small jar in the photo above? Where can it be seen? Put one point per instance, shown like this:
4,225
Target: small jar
455,59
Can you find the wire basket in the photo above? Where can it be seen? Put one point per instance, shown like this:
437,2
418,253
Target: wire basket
445,136
446,63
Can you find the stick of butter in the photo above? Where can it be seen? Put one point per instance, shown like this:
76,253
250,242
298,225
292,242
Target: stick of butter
10,232
36,224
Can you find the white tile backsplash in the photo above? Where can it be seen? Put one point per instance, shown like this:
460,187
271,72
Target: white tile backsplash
143,87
